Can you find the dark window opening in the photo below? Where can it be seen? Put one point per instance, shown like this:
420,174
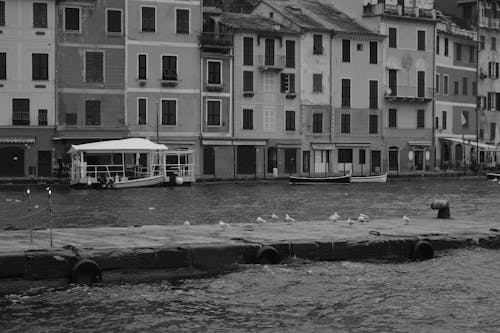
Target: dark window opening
71,19
169,68
169,112
317,123
39,15
114,21
148,15
40,66
92,113
182,21
21,111
247,119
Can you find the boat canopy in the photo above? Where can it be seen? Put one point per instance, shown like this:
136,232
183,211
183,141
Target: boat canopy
131,145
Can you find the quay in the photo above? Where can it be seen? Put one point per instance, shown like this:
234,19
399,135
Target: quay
152,252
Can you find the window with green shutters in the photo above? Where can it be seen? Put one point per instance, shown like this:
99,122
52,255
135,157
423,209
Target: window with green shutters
373,124
94,66
346,92
345,123
20,111
290,120
247,81
39,15
169,112
247,51
420,118
40,66
290,54
247,119
182,16
317,123
148,15
92,113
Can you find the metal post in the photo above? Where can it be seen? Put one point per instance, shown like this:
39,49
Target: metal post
157,122
28,201
49,210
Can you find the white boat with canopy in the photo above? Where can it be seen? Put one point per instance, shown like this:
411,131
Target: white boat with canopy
133,162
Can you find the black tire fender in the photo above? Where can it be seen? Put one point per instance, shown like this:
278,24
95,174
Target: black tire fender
268,255
422,250
86,271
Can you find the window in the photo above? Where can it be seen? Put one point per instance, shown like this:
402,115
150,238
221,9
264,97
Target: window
182,21
392,38
446,85
306,156
148,19
290,54
497,101
142,66
465,85
493,43
420,83
493,127
269,119
443,119
455,88
113,21
142,110
269,52
72,19
40,66
271,15
437,84
71,119
169,112
290,121
317,82
458,51
288,83
446,43
474,88
436,122
169,68
373,53
39,15
373,94
3,66
247,119
420,118
247,81
247,51
213,113
317,44
317,122
42,117
345,155
438,41
465,119
345,123
2,13
269,85
359,47
491,101
393,120
493,70
214,72
472,54
421,40
94,67
346,50
373,126
92,113
20,111
481,42
346,92
362,156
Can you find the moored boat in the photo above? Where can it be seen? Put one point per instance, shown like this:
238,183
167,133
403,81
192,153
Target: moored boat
320,180
491,175
139,182
369,179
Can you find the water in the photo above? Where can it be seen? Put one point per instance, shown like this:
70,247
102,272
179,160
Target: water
235,203
458,292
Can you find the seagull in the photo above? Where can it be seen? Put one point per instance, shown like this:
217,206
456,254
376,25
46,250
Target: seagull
36,206
334,218
289,219
9,200
261,220
151,208
363,218
406,219
17,200
186,223
349,222
223,225
274,216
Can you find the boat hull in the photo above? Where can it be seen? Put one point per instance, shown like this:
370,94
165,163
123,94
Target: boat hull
491,175
140,182
369,179
320,180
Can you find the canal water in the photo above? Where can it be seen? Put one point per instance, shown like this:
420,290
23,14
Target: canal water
457,292
241,203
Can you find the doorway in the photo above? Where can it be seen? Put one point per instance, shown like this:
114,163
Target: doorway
12,162
376,161
45,163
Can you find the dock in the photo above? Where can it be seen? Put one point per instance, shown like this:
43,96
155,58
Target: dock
152,252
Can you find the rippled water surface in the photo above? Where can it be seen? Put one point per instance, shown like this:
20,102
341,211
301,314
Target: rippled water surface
458,292
477,199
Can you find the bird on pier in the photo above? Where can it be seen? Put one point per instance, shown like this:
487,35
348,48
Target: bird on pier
349,222
223,225
334,218
274,216
406,219
289,219
187,224
261,220
362,218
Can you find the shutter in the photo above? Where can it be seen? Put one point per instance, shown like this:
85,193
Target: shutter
283,83
291,83
496,70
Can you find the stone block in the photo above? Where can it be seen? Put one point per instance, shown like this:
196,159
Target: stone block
217,256
305,250
12,264
172,257
325,251
109,259
48,264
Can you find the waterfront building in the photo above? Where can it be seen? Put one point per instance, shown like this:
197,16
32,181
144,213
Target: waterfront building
27,90
90,59
163,74
455,91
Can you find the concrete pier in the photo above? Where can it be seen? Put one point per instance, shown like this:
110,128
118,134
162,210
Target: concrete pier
154,252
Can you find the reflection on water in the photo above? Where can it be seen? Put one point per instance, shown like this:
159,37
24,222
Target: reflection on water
244,202
455,293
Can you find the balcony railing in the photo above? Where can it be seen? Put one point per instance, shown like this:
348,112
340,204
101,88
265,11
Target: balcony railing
462,32
213,39
273,64
398,10
406,94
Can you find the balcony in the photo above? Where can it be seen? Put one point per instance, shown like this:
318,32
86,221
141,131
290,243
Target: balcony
398,10
406,94
494,23
275,64
169,78
214,87
216,40
484,22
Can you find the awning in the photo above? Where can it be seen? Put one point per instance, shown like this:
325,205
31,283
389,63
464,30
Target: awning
352,144
217,142
132,145
249,142
420,143
323,146
473,143
16,140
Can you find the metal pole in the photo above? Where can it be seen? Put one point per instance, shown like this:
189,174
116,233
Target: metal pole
28,200
157,122
477,87
49,210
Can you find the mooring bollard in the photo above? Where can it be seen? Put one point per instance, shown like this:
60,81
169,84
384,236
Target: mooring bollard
443,207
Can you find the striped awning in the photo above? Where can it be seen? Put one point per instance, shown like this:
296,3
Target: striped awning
16,140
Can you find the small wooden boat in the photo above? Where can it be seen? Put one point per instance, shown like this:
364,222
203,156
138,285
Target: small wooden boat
369,179
139,182
491,175
320,180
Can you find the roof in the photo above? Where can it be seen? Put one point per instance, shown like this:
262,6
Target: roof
318,16
249,22
132,145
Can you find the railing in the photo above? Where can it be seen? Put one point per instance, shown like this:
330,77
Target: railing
216,39
462,32
398,10
104,170
277,63
408,92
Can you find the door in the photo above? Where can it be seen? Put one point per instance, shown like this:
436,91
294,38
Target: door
12,164
376,161
393,159
290,160
321,161
45,163
246,160
419,160
208,160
